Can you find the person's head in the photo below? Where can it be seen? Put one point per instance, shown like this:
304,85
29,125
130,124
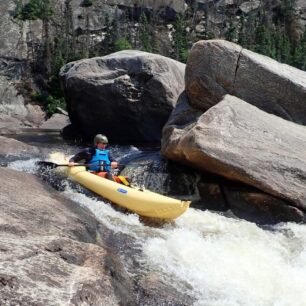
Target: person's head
100,141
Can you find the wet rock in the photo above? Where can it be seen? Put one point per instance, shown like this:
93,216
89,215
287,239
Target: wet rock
212,196
262,208
127,95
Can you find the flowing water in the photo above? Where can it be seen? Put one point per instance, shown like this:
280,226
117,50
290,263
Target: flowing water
219,260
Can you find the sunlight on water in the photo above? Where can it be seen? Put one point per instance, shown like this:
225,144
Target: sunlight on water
58,158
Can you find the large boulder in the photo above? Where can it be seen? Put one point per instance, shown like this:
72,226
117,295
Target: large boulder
240,142
127,95
218,67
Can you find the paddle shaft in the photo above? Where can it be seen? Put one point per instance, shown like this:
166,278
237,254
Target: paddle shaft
54,165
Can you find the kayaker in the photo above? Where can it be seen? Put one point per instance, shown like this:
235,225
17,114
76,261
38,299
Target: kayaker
97,157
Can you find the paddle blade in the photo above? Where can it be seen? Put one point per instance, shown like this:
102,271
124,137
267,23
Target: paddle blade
46,164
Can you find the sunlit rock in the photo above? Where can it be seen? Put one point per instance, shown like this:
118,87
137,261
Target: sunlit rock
10,146
127,95
241,142
218,67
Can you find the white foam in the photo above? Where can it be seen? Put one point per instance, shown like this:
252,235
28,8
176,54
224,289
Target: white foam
28,166
233,262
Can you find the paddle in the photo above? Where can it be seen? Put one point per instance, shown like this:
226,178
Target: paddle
51,165
54,165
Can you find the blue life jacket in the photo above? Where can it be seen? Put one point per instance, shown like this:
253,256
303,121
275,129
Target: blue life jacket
100,161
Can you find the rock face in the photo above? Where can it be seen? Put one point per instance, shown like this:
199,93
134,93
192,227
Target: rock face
127,95
14,147
15,51
240,142
219,67
56,122
13,106
48,251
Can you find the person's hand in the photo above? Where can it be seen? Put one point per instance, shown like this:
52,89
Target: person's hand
114,165
71,164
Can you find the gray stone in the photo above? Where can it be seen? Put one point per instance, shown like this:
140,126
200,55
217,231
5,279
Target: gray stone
218,67
210,72
47,249
14,33
248,6
127,95
10,146
240,142
56,122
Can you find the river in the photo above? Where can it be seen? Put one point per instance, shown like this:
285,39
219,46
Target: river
217,259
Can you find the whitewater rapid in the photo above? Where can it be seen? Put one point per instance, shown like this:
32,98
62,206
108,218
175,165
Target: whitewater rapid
225,261
219,260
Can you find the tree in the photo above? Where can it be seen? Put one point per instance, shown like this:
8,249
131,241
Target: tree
230,35
180,40
299,60
34,9
144,33
122,44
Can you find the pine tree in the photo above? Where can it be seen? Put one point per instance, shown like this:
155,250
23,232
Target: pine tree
144,33
299,60
180,40
230,35
18,9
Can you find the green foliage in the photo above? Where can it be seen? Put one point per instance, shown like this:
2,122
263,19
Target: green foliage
122,44
144,33
50,102
180,40
18,9
299,59
34,9
112,34
210,35
231,32
53,103
271,37
287,8
263,43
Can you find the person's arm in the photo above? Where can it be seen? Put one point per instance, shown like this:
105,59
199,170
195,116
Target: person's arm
85,154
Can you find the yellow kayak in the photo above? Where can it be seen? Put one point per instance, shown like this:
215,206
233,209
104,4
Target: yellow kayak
144,203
